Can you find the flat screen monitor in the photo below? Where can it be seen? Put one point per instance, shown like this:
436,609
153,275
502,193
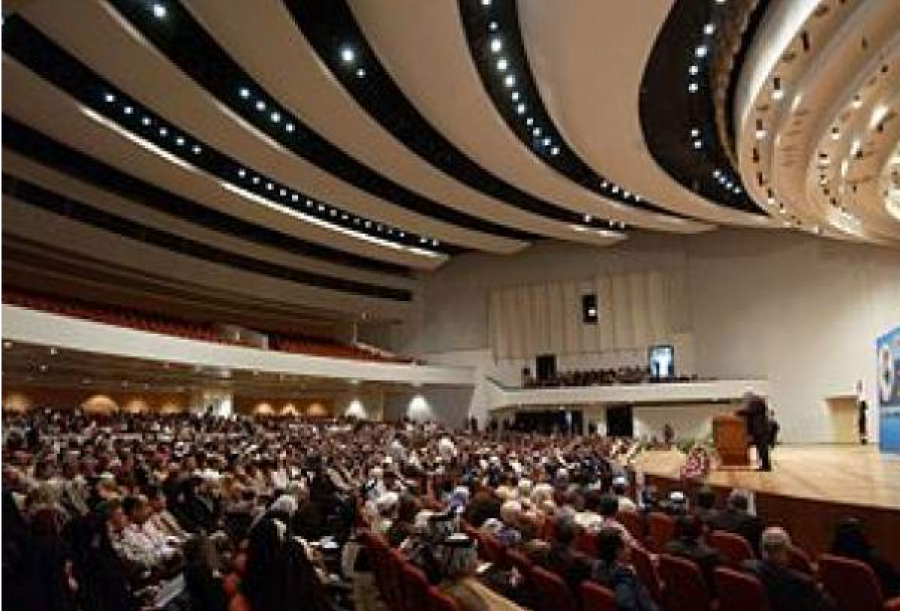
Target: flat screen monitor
661,359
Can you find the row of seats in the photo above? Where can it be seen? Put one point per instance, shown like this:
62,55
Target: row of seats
190,330
678,584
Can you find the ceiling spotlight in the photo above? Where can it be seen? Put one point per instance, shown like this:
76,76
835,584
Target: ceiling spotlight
546,141
109,97
485,2
701,51
709,29
282,192
163,131
502,64
54,351
496,45
295,197
493,26
698,144
434,242
360,73
515,96
554,151
402,234
333,212
536,131
509,80
242,172
604,184
737,190
695,132
269,186
693,87
308,203
159,11
321,208
717,173
146,121
244,92
529,121
694,69
260,105
256,180
179,141
289,127
348,55
520,108
615,189
129,110
196,149
276,117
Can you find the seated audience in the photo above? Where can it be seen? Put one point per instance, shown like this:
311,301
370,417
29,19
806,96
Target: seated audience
850,541
614,571
787,589
688,543
705,506
458,559
735,518
564,559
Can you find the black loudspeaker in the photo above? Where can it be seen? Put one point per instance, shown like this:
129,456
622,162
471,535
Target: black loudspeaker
546,366
589,313
619,421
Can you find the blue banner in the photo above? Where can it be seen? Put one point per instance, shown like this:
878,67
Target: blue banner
889,390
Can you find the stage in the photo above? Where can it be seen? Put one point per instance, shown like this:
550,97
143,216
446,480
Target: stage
809,489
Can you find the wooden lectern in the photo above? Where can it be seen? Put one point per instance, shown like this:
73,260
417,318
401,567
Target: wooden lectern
730,437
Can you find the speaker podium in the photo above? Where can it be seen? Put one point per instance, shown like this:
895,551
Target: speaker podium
730,437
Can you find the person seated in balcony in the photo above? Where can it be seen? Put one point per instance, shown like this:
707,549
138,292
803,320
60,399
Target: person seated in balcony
787,589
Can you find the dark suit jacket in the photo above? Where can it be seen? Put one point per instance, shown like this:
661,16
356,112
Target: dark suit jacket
570,564
700,554
789,590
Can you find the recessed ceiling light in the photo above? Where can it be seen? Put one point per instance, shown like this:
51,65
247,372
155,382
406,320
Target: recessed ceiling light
709,29
698,144
694,69
737,190
692,87
496,45
348,55
129,110
260,105
502,64
515,96
701,51
163,131
242,172
546,141
695,132
615,189
554,150
485,2
275,116
536,131
282,192
509,80
256,180
289,127
360,73
179,141
520,108
716,173
159,11
269,186
146,120
295,197
529,121
493,26
109,97
244,92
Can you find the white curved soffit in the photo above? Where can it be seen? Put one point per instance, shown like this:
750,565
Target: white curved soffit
80,240
423,47
588,60
262,37
45,108
832,99
19,166
100,37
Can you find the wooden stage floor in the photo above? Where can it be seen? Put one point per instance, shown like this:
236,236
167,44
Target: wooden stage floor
848,474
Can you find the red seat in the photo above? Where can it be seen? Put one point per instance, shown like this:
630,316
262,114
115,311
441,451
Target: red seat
733,548
415,588
739,591
551,591
800,561
660,530
633,522
595,597
853,585
647,573
438,601
587,543
684,587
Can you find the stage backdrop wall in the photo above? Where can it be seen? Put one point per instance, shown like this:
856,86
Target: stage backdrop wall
888,346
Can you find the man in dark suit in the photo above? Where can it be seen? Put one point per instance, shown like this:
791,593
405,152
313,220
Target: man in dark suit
787,589
757,415
689,545
736,519
566,561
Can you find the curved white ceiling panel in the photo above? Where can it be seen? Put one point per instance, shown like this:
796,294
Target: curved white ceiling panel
263,38
424,48
588,59
97,35
62,118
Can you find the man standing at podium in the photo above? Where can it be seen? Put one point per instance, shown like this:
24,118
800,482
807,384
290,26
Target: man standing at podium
756,413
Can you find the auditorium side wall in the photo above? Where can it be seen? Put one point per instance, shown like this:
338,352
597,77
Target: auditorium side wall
800,311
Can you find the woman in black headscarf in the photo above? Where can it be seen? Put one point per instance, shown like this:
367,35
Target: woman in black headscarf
850,542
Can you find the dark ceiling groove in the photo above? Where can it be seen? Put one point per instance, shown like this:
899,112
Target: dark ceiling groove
50,201
190,47
497,23
53,154
331,29
676,106
36,51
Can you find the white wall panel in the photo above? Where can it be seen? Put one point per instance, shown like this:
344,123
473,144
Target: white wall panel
557,317
623,330
605,310
640,316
